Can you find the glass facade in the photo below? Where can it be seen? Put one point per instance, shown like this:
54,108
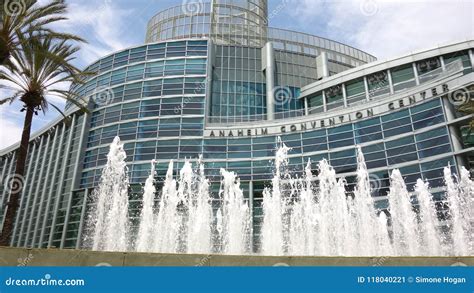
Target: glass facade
236,22
164,99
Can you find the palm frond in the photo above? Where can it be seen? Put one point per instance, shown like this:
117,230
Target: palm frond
32,18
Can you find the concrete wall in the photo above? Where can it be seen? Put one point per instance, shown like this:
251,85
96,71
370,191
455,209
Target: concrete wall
68,257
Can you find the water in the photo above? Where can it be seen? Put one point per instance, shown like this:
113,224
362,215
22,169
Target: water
108,223
146,229
308,215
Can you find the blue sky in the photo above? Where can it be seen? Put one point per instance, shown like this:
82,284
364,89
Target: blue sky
384,28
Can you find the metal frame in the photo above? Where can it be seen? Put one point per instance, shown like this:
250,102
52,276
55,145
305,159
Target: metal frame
24,193
45,186
30,193
27,239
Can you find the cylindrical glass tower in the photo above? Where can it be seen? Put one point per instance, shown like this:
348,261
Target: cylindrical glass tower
225,21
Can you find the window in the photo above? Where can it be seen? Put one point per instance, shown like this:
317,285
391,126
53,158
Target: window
434,142
195,66
152,88
334,98
133,91
315,103
427,114
341,136
344,161
150,108
169,127
368,130
154,69
355,91
396,123
378,84
147,129
401,150
403,77
173,86
135,72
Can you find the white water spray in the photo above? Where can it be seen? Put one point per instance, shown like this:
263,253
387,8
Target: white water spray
108,221
312,215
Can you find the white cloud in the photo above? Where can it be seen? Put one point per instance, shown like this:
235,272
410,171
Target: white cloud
10,130
102,24
388,28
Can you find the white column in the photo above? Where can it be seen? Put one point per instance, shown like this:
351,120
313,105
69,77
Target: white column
366,85
471,56
441,60
269,55
59,192
4,170
45,184
306,108
210,66
47,208
6,192
36,193
454,133
344,95
31,161
325,107
390,81
30,191
415,72
75,179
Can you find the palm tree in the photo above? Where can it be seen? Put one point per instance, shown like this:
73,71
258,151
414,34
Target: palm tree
26,16
39,69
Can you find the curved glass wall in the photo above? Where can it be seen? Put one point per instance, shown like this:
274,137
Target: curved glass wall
233,22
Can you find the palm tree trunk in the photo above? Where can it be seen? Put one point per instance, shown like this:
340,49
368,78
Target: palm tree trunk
4,53
16,183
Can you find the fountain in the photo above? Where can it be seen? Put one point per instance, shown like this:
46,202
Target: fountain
108,223
314,215
146,228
